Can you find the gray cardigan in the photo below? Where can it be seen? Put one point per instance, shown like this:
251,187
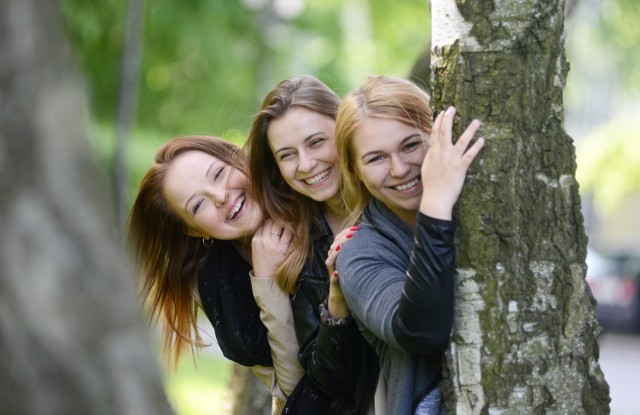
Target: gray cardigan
403,305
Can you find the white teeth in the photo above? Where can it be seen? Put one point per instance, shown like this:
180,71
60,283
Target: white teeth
317,178
236,208
408,185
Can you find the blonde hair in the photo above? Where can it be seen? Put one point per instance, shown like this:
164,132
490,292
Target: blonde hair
385,97
278,200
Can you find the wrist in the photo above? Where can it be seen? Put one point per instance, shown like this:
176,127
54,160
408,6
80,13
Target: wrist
259,277
328,319
436,210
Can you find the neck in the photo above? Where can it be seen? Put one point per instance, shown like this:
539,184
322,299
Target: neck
407,216
243,246
334,212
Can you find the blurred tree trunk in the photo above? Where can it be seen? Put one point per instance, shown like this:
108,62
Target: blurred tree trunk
525,339
248,395
72,339
127,104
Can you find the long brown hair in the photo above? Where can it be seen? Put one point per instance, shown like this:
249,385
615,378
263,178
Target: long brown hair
166,258
379,96
278,200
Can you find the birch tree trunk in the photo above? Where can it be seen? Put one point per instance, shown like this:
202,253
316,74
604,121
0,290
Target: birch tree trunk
72,338
525,339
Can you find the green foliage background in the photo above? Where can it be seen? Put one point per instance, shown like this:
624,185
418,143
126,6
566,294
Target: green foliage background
207,64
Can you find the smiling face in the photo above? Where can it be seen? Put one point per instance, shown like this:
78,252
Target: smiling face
303,145
211,197
388,159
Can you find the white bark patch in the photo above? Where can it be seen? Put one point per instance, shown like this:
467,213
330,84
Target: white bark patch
574,310
543,273
466,353
512,317
567,182
448,26
513,18
558,79
546,180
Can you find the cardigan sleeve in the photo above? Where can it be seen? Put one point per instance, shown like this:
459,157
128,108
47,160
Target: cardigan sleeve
404,297
425,313
277,316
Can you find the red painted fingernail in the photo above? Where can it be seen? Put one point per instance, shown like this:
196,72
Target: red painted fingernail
354,228
349,235
335,274
337,248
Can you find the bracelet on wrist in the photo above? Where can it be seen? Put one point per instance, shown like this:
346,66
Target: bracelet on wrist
326,318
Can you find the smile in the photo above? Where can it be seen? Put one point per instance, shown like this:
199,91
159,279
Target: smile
318,178
408,185
236,208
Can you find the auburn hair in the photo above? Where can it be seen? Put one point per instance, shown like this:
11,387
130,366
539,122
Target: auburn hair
166,258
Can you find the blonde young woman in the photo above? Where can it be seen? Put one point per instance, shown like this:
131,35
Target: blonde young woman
295,175
401,180
200,241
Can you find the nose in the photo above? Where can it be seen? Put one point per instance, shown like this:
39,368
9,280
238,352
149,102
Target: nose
218,195
306,163
399,167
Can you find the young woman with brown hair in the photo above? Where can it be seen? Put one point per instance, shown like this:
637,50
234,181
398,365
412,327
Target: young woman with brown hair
295,176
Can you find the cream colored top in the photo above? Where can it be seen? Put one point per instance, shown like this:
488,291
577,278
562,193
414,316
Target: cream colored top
277,316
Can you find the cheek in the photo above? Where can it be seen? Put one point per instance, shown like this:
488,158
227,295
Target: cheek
332,153
371,178
286,171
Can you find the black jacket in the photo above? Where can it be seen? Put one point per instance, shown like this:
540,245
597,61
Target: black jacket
336,358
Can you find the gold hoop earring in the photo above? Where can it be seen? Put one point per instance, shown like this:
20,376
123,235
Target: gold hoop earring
204,242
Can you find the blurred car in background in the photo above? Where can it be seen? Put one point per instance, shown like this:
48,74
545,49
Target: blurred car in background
615,284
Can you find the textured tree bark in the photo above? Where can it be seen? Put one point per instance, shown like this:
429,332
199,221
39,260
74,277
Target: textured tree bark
72,339
525,339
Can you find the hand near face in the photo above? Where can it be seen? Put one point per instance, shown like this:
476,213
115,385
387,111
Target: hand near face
269,246
336,303
445,165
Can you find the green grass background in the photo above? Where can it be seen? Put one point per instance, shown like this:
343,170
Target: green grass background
200,387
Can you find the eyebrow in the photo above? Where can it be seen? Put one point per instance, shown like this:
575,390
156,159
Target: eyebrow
309,137
404,140
206,174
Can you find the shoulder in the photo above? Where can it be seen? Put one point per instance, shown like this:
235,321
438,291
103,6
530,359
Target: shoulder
369,246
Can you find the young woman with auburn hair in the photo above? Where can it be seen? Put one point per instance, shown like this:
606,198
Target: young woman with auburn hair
197,234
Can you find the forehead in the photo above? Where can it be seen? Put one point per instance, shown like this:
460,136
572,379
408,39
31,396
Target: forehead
185,174
381,134
297,124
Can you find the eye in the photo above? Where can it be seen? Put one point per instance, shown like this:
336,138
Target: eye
284,156
196,206
374,159
316,142
218,173
411,146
